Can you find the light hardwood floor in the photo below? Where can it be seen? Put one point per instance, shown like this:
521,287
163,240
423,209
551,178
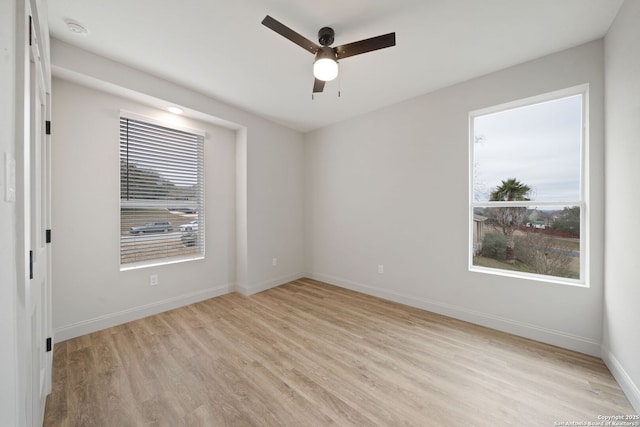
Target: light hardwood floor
310,354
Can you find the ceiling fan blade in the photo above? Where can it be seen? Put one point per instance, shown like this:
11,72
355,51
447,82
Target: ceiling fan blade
366,45
318,86
288,33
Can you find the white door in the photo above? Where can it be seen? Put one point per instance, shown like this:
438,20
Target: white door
38,288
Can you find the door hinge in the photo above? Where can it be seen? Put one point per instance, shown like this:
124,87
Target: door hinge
47,126
30,264
47,236
30,30
48,344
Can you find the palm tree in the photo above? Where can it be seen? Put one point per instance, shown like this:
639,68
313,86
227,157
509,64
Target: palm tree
509,218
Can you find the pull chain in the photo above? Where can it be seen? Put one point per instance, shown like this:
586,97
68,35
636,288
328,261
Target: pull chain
339,83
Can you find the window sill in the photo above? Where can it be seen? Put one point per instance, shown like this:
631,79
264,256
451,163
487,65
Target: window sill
530,276
156,263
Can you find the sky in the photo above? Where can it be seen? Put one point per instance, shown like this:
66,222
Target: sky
538,144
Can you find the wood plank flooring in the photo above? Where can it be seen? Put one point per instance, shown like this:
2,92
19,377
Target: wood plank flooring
310,354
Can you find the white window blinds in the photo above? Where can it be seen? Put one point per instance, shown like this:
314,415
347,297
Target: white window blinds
161,192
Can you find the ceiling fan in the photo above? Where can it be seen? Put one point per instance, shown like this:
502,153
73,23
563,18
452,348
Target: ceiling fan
325,66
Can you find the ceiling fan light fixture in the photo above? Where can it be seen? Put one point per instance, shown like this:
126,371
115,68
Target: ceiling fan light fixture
325,67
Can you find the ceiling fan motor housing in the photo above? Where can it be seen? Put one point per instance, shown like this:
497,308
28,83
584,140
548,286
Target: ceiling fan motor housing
326,36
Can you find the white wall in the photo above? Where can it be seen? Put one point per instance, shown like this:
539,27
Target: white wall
274,188
266,176
621,340
90,290
391,188
275,208
8,283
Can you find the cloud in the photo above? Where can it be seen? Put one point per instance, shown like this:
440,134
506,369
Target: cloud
539,144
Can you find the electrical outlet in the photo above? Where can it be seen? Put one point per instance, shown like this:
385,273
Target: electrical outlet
274,262
380,268
153,279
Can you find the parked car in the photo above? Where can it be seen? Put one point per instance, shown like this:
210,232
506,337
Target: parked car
183,210
536,225
153,227
192,226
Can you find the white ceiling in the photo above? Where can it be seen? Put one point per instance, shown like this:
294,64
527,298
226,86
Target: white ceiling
220,48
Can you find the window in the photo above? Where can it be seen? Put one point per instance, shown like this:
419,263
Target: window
161,193
527,207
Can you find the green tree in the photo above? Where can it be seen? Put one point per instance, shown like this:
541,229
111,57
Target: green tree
568,221
493,246
143,183
509,218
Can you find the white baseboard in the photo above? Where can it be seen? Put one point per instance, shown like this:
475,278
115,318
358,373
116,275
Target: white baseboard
267,284
113,319
627,385
537,333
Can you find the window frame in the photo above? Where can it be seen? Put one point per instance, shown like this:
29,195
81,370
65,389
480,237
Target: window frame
124,114
582,203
